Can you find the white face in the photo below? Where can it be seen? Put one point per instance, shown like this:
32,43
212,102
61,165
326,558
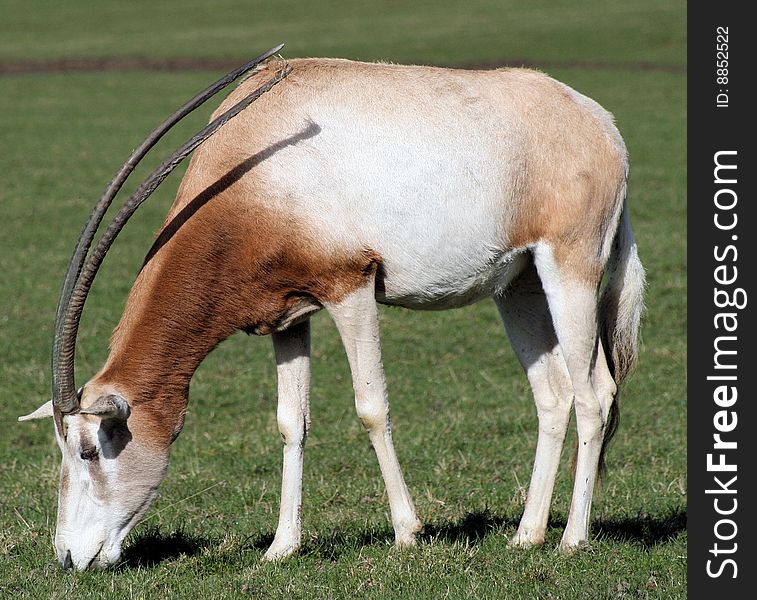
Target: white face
108,480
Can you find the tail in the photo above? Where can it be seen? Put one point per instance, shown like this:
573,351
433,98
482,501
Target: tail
622,302
620,311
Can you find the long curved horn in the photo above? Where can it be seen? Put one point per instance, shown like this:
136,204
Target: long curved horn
90,227
79,276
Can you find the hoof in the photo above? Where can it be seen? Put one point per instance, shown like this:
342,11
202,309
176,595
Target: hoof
526,539
280,551
571,547
406,537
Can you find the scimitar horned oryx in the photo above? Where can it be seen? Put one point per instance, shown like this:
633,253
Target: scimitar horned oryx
350,184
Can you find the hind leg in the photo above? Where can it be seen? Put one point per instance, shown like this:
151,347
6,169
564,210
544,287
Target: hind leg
528,322
572,301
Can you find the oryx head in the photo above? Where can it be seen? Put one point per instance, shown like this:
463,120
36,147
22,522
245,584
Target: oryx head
113,460
110,473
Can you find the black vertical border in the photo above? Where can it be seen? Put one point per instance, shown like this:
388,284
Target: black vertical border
711,129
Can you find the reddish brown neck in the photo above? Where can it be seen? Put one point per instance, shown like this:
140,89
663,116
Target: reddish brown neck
180,307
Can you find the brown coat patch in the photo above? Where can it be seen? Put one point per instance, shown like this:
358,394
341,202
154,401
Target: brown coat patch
573,179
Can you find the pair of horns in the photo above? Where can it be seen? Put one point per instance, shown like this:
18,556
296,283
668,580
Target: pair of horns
82,269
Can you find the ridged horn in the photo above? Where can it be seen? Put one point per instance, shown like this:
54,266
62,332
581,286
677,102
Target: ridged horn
82,270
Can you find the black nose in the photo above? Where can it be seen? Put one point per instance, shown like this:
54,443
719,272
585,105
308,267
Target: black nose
68,562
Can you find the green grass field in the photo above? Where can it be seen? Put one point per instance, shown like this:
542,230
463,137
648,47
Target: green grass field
464,422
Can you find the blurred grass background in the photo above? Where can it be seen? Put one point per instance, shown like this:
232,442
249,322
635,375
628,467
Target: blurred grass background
420,31
464,422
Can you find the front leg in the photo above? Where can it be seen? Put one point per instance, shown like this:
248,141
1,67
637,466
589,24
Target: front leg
292,349
356,318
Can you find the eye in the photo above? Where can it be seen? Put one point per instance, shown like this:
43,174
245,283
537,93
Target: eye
89,454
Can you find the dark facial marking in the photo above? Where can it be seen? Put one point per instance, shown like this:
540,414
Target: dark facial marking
113,435
88,450
63,490
89,453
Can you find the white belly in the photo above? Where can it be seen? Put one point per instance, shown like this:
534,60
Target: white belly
440,294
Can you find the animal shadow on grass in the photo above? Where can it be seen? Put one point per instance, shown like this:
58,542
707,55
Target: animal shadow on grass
471,528
152,547
330,546
647,530
644,529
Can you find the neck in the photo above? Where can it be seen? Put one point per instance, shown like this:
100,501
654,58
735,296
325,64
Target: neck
180,308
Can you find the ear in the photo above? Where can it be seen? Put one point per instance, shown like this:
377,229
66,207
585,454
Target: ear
46,410
111,406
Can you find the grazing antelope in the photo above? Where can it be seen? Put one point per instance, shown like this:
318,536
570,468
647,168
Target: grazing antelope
347,185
